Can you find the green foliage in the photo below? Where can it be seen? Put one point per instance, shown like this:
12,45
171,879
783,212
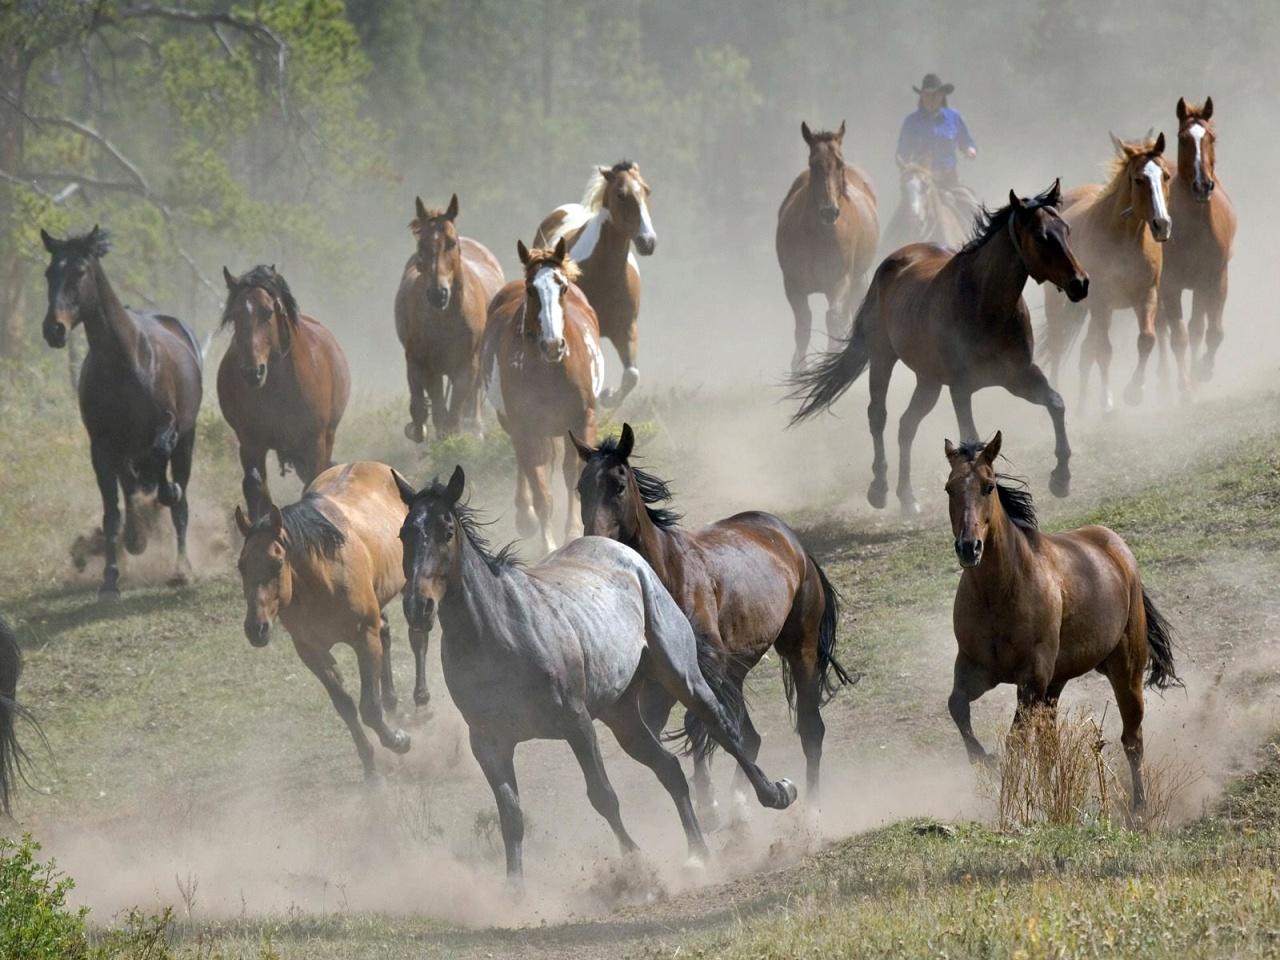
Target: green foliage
35,921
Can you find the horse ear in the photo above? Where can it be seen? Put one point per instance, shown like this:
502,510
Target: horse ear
1159,147
457,484
950,449
1055,193
626,442
407,493
806,133
93,234
452,212
1206,112
840,133
419,209
561,250
1182,108
228,278
1015,201
50,244
522,252
1117,143
242,522
277,520
584,450
992,449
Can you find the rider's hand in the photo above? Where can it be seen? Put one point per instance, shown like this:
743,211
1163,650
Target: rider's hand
971,152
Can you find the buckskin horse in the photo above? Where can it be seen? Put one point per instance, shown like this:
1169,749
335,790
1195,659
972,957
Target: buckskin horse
1196,257
826,237
543,369
1118,230
746,583
600,231
957,320
542,652
440,319
140,390
1039,609
283,384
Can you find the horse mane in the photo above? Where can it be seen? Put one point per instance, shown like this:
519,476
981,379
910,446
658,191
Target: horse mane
540,257
496,560
988,223
593,195
1118,166
307,528
653,490
418,224
95,243
268,279
823,136
1015,496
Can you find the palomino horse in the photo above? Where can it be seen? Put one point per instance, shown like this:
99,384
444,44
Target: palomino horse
925,213
543,370
746,584
326,566
613,215
957,320
12,757
140,390
440,317
1196,258
1119,230
541,653
1038,609
283,383
826,237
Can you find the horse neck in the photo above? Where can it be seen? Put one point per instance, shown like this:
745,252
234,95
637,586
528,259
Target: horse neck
1006,555
467,605
613,246
655,544
999,272
1112,204
107,324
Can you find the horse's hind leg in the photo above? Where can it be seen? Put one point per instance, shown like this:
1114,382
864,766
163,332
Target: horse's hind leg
882,363
497,763
581,734
104,471
1030,384
389,700
922,401
804,325
969,683
178,510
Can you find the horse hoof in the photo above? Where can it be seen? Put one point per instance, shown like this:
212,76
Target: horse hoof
421,697
1133,395
696,863
167,494
415,432
910,508
108,596
787,793
1060,483
878,494
374,780
399,742
709,816
1204,372
180,578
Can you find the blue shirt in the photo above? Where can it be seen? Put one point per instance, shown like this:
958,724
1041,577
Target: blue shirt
932,139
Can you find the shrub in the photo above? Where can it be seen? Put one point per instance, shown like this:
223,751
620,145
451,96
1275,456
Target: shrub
35,921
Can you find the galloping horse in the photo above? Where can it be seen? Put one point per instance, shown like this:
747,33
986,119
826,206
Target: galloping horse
746,584
283,384
826,237
614,213
543,370
1119,230
924,214
1038,609
1196,258
12,757
326,566
957,320
440,316
540,653
140,390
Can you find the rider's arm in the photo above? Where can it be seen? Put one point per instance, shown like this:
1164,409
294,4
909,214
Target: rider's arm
963,136
908,141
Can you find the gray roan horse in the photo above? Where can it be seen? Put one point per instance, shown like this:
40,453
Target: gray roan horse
539,653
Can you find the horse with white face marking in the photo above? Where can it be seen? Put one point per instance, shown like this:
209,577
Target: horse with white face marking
543,369
1118,231
613,215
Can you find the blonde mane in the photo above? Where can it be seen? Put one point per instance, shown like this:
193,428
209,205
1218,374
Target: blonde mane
540,257
593,195
1118,167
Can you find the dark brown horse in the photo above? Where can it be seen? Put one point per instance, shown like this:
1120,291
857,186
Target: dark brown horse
283,384
613,215
543,370
440,317
957,320
13,758
1038,609
140,391
826,237
1196,257
746,584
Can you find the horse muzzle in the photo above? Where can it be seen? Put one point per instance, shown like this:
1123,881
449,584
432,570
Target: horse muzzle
1161,229
255,376
55,333
554,351
1077,289
969,551
1202,190
438,297
646,243
829,213
257,631
419,612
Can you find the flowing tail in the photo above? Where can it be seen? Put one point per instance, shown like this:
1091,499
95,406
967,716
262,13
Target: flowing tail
1160,670
712,663
823,383
13,758
1072,316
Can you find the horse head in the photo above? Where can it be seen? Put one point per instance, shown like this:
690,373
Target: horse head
430,540
262,312
1143,166
1196,148
439,254
625,195
827,184
265,572
548,275
971,495
71,279
1040,237
916,185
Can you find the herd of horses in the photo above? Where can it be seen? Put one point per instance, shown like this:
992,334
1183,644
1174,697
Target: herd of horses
640,614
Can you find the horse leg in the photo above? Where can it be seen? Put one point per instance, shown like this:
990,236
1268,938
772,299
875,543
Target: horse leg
1214,302
526,460
497,763
540,488
1175,325
389,699
571,467
839,316
368,649
416,375
962,401
922,401
882,363
135,524
1098,345
434,384
1125,674
581,734
1146,312
751,741
969,683
804,325
253,465
179,509
322,664
418,640
104,471
1031,384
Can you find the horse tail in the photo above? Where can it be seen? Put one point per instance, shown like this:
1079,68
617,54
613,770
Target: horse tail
1160,670
13,758
712,663
822,384
1072,318
827,664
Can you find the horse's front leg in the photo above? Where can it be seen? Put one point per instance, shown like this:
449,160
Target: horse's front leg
253,464
369,655
628,351
1030,384
571,468
418,641
1146,312
799,302
840,312
497,762
105,472
1212,302
415,373
321,663
970,681
1175,324
922,401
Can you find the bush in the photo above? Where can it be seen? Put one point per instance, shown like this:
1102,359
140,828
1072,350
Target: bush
35,921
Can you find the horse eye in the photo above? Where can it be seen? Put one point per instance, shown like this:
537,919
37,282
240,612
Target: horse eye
988,489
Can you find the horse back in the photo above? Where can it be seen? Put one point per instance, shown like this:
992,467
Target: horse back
483,267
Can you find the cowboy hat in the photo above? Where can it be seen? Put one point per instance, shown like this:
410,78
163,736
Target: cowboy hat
932,83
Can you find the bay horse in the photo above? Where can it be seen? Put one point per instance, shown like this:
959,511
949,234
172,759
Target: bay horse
1196,257
13,758
826,238
1038,609
1119,230
600,231
957,320
543,369
140,390
440,317
326,567
746,583
542,652
924,214
283,384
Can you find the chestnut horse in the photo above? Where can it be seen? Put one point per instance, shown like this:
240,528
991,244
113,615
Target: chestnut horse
957,320
613,215
1038,609
440,316
826,237
746,583
326,566
140,390
543,369
1196,257
1119,230
924,213
283,384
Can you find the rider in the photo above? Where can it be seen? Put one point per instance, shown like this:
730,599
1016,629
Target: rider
932,134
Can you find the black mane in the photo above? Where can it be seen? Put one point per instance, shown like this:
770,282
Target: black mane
307,528
1015,497
95,243
265,277
466,517
988,223
653,490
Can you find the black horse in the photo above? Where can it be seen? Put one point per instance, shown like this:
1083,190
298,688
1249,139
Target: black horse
12,757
